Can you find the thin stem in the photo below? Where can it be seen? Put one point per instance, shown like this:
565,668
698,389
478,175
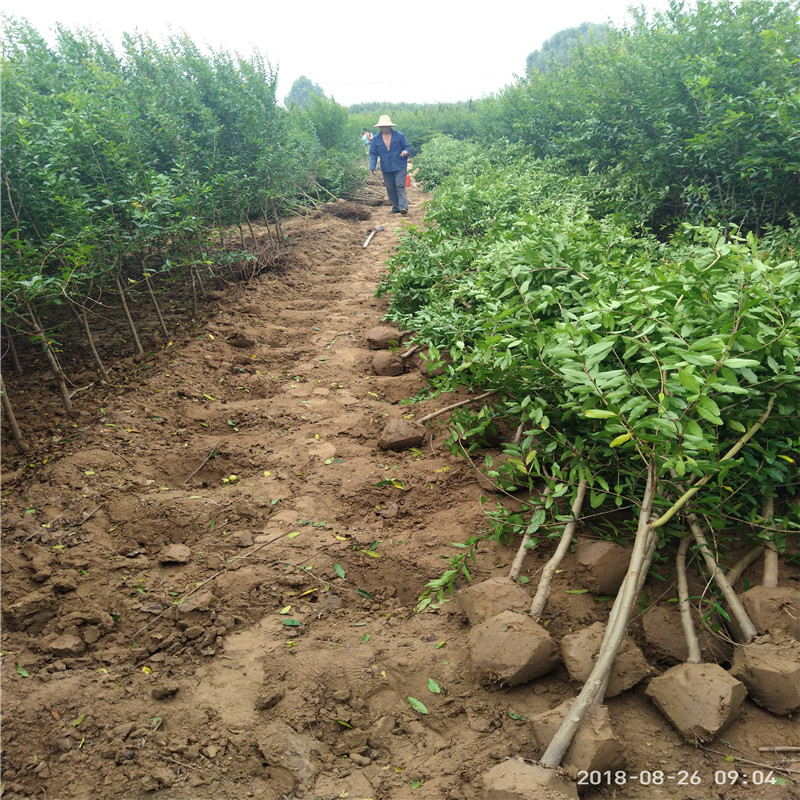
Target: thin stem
516,566
539,600
692,643
736,571
734,604
441,411
126,311
770,577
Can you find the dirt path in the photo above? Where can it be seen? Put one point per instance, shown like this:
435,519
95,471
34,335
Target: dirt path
208,583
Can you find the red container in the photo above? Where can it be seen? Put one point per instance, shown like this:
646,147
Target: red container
408,180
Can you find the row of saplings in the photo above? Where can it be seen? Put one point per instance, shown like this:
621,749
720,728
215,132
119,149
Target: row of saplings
510,646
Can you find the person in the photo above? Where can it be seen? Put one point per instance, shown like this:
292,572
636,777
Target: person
366,137
393,149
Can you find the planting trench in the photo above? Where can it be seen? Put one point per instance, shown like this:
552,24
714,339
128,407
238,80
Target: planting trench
209,577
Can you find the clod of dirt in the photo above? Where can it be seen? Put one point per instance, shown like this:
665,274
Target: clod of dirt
400,434
387,364
594,746
175,554
579,651
291,757
698,699
603,564
383,337
346,210
771,672
428,369
515,779
66,645
773,610
504,474
661,624
511,648
479,601
165,690
241,341
30,613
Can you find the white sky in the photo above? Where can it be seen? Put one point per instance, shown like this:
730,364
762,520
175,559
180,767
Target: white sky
420,51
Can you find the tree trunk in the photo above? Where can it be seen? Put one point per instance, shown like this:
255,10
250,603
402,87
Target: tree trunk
154,301
11,419
55,367
12,350
128,317
83,318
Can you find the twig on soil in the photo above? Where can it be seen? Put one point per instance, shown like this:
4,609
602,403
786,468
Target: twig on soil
539,600
750,763
441,411
205,461
778,749
179,763
410,352
81,389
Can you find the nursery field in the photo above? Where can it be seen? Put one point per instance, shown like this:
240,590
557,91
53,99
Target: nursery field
210,571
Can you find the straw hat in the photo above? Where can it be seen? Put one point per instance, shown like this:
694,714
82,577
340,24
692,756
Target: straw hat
385,122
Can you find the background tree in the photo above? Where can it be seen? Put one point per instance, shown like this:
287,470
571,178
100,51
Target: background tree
557,49
302,92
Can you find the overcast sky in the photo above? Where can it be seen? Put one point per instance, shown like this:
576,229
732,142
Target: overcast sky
421,51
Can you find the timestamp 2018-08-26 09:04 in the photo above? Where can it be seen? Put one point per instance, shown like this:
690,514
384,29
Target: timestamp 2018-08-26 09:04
757,777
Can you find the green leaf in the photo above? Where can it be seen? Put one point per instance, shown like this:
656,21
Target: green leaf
599,413
433,686
516,716
22,671
292,623
621,439
688,380
417,706
738,363
339,570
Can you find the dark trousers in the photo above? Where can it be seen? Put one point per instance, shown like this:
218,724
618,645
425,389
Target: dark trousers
395,183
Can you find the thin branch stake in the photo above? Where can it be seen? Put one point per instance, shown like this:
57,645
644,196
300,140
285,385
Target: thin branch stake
441,411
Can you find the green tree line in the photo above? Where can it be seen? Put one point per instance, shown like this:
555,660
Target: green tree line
123,166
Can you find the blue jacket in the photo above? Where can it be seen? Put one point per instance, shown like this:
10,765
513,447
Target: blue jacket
391,160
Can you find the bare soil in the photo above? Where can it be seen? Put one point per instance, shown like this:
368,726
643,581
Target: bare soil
173,632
